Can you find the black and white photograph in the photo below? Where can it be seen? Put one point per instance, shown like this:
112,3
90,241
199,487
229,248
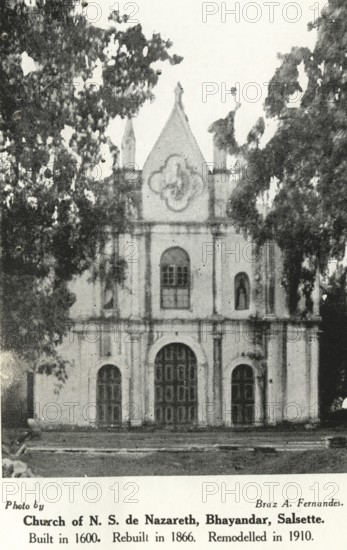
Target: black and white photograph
173,248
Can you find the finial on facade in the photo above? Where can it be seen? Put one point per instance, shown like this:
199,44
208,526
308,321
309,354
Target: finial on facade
129,129
128,145
178,94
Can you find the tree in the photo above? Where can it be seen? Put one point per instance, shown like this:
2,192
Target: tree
53,131
305,160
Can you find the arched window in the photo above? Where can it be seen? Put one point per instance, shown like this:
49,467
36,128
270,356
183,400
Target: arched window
242,291
175,279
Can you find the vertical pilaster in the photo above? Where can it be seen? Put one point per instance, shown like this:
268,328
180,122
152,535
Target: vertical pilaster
116,254
274,403
148,273
217,375
314,366
270,277
217,333
136,277
136,399
214,275
296,408
217,272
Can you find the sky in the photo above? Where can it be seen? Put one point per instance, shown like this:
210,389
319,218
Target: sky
220,50
224,45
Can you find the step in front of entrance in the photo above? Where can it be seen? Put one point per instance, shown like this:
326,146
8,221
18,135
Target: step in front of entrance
292,446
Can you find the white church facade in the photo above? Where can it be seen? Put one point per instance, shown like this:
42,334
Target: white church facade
198,334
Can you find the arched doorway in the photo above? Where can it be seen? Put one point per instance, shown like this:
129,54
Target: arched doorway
242,395
109,396
175,385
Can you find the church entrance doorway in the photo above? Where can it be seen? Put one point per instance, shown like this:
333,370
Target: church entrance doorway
109,396
242,395
175,382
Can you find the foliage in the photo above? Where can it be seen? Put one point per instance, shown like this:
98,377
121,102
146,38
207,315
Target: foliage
53,132
305,161
224,130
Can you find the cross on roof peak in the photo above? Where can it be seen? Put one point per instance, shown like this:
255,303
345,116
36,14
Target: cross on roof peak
178,94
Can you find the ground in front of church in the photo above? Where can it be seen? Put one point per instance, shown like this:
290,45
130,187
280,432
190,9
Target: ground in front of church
187,464
132,453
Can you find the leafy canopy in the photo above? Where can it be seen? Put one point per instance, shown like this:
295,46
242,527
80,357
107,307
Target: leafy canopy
305,159
53,132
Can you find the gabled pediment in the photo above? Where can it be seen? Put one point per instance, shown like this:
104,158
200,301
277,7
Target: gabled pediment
174,174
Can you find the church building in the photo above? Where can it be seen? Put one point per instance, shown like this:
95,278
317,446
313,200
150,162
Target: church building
198,334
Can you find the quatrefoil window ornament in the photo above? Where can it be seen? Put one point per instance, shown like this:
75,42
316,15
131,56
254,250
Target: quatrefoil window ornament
177,183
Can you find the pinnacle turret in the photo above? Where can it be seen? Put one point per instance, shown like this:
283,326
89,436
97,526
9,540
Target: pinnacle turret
128,145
